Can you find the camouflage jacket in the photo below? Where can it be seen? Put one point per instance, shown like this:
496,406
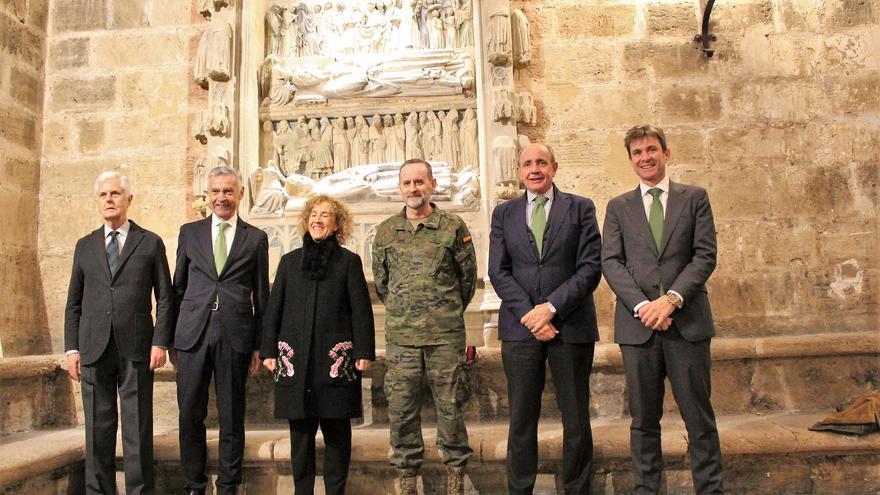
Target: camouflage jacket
426,277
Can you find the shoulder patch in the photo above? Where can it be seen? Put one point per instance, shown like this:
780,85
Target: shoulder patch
466,239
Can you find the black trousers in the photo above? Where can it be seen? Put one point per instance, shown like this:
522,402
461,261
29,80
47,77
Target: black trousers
688,366
212,355
134,381
337,454
570,366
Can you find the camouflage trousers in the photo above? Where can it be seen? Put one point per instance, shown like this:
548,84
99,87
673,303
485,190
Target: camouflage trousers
407,368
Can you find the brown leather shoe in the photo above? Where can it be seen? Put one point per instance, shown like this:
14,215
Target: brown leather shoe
454,480
407,479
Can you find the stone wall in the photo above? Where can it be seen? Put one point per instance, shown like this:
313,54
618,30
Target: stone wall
22,48
119,96
781,126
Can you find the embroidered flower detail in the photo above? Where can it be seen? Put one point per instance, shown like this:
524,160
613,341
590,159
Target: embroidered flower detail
284,369
343,364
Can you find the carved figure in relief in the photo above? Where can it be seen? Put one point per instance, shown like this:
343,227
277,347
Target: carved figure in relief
341,150
314,137
377,140
282,143
274,18
526,113
464,16
413,137
411,26
436,31
308,28
466,188
450,29
469,143
200,127
204,8
436,137
500,76
220,51
399,138
505,161
522,43
360,142
503,107
218,124
499,38
217,156
200,72
290,35
388,132
426,135
272,196
451,144
323,149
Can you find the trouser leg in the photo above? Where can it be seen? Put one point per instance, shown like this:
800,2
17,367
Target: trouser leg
99,407
337,454
645,372
443,367
302,454
194,369
230,380
136,401
403,389
525,370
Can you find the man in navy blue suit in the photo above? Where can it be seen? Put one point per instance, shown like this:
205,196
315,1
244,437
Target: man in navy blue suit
544,262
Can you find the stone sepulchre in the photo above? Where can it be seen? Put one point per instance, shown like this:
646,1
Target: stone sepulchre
345,91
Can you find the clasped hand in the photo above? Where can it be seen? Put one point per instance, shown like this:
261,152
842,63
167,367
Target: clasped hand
538,322
656,314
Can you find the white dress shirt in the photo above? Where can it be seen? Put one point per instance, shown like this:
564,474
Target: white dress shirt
647,201
230,231
530,204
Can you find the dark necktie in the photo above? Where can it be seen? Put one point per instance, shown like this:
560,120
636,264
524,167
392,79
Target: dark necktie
539,222
655,216
113,253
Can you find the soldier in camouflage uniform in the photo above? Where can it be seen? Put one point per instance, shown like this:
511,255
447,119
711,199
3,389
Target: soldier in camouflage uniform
425,271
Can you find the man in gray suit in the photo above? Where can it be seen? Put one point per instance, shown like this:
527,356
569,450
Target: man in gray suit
110,340
658,252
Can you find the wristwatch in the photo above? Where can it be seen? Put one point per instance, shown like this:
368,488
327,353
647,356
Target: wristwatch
551,307
674,299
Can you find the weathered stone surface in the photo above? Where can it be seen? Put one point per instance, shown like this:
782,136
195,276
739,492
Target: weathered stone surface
91,135
848,13
595,20
27,88
21,43
16,8
171,12
672,19
38,14
69,53
76,93
19,127
729,17
166,90
127,14
141,49
859,95
76,15
689,104
585,61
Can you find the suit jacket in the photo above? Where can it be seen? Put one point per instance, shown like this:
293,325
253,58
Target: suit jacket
242,288
98,304
637,271
566,274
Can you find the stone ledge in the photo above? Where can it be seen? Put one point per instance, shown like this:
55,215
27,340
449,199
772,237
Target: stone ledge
608,355
30,366
741,435
26,455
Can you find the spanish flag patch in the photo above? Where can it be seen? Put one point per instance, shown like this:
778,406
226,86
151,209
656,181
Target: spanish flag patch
466,239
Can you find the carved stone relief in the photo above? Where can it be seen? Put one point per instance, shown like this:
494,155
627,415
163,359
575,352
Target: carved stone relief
499,49
522,44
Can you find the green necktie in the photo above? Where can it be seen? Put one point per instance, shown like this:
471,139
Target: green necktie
655,217
539,222
220,247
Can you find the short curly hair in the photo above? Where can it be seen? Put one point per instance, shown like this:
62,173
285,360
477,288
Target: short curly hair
344,223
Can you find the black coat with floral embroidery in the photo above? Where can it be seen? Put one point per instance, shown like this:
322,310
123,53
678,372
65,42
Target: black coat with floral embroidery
325,324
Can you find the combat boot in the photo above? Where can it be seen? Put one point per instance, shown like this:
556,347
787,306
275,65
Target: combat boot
454,480
407,478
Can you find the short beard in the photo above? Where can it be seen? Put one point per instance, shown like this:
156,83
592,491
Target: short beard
414,203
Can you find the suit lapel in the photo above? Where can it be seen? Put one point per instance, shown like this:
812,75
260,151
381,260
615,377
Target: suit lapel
203,247
521,228
100,250
241,232
135,236
558,212
636,210
674,206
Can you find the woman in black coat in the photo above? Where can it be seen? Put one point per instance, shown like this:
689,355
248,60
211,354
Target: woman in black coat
318,336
